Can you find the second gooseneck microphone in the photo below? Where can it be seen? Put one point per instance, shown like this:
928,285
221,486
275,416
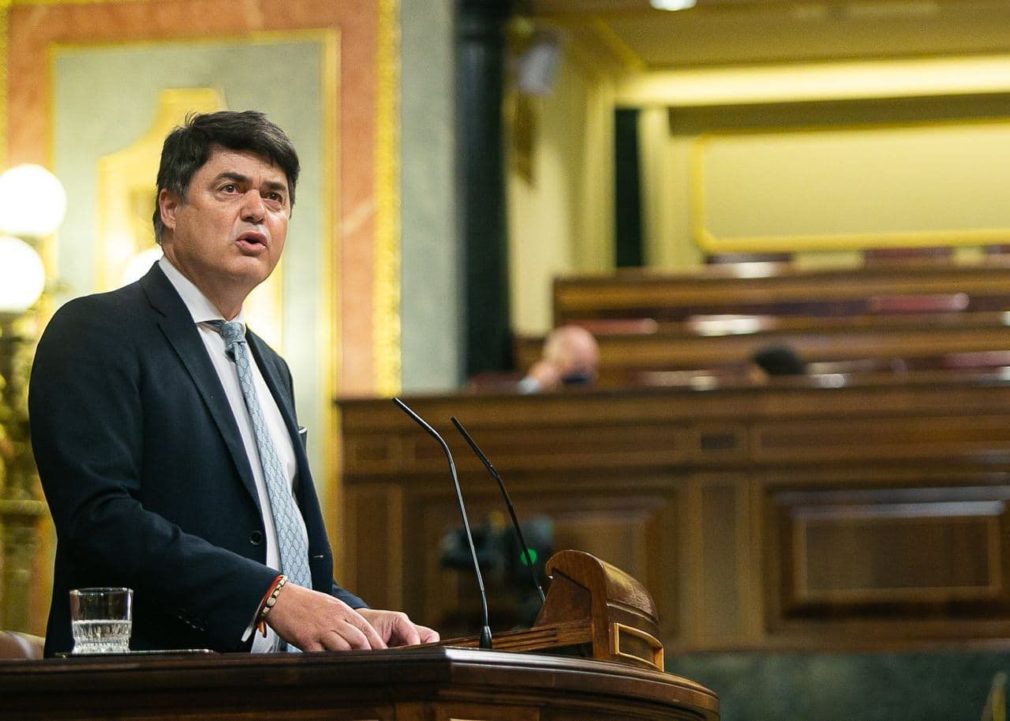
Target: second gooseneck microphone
508,503
485,634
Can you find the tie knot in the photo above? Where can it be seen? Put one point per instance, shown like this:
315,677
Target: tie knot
231,332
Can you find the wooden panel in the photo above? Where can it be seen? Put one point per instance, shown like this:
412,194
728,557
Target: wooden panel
881,435
373,538
719,508
907,556
951,553
557,448
563,448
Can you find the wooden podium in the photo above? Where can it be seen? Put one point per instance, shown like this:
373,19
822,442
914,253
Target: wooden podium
413,684
592,609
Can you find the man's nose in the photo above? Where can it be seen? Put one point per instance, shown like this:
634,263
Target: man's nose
253,208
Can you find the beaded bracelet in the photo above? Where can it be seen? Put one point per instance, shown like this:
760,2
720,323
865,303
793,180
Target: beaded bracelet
269,600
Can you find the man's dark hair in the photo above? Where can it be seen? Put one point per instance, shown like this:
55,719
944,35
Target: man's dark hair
190,145
779,360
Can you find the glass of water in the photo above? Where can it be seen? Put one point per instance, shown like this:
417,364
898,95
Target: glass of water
101,619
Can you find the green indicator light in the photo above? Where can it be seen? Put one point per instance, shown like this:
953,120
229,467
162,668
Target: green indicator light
532,557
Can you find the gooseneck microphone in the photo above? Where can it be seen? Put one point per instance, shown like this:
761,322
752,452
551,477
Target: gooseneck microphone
485,634
508,503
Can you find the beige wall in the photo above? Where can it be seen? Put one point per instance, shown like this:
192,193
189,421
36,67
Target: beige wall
560,213
821,160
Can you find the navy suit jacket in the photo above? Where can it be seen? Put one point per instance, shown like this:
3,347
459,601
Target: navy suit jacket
146,475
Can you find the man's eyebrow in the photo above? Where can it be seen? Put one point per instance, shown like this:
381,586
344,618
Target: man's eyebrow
232,175
244,179
276,185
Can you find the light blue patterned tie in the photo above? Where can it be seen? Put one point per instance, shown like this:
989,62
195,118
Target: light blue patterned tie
294,550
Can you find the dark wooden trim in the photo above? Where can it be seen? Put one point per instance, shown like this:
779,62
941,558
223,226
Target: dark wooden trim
416,683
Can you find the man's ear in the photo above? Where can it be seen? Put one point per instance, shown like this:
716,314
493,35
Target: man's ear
168,205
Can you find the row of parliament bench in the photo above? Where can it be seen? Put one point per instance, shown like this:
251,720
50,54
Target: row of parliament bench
784,290
889,318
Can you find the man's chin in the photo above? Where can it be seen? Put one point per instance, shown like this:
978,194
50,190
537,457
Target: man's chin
252,270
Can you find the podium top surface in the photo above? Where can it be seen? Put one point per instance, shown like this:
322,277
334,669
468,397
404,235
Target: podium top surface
219,686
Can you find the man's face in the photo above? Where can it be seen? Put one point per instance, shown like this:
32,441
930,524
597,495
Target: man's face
228,234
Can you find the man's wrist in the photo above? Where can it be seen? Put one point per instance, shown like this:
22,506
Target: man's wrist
267,604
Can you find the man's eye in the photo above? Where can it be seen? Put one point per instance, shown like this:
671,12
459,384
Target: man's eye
275,198
229,187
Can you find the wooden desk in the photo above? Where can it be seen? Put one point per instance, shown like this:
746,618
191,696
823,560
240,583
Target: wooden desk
791,516
419,684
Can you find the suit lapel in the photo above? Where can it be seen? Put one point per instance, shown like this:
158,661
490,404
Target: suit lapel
179,330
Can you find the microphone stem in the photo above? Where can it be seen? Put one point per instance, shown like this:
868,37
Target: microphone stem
508,504
485,636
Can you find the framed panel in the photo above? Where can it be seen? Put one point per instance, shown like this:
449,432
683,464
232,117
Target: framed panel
851,187
891,561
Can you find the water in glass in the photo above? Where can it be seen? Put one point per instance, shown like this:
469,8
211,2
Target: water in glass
101,636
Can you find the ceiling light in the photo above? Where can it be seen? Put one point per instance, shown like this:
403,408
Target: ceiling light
672,4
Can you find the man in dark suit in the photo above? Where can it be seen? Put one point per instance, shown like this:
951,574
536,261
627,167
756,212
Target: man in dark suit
150,454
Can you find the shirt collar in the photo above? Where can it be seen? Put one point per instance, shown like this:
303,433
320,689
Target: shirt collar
199,307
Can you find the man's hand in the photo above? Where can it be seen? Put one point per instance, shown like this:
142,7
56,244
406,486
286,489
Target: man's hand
396,629
315,621
546,374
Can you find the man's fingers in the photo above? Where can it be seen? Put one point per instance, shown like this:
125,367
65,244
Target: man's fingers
408,636
345,633
428,635
374,640
310,646
333,641
403,632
